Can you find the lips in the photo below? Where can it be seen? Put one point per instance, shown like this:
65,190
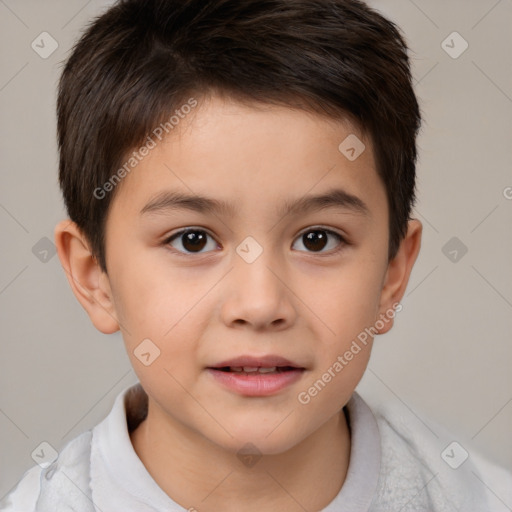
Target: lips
256,376
261,364
248,370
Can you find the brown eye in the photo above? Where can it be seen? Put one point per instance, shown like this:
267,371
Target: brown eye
315,240
190,240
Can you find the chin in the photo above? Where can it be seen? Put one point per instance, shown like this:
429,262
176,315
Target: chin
259,441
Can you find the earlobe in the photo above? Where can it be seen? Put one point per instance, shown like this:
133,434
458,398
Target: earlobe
88,282
398,273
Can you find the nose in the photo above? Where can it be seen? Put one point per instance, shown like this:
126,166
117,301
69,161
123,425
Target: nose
258,294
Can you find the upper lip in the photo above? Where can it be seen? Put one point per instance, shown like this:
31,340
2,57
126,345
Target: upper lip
266,361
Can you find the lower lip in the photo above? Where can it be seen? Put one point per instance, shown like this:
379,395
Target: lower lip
256,384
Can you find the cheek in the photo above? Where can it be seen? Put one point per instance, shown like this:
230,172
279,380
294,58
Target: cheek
347,307
155,300
338,370
168,308
333,381
346,303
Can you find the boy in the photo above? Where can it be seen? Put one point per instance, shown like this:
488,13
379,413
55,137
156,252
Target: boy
239,176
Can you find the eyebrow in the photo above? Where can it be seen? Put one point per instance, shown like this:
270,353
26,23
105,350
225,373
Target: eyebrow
336,198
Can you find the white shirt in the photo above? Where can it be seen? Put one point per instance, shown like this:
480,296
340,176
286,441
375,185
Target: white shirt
391,468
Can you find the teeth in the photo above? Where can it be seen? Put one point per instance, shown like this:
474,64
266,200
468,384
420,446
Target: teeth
252,369
267,370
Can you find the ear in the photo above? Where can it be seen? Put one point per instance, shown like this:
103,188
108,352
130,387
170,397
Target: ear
89,283
398,272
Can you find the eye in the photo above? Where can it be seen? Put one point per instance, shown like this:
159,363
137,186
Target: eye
191,240
194,240
316,239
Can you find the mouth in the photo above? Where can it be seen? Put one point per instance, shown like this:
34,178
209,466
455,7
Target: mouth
256,376
265,363
254,370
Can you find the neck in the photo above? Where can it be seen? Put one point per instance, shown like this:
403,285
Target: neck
197,473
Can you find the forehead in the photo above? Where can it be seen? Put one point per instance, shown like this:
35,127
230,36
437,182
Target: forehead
232,157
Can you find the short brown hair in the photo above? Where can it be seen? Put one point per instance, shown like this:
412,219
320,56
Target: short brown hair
140,61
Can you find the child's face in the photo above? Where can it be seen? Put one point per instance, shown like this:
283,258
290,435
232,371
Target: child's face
203,301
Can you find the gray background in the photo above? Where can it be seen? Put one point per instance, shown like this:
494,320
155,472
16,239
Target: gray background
446,361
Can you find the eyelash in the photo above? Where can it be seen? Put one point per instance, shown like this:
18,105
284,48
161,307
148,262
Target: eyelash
341,239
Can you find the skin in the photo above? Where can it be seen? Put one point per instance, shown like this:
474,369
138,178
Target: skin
203,308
